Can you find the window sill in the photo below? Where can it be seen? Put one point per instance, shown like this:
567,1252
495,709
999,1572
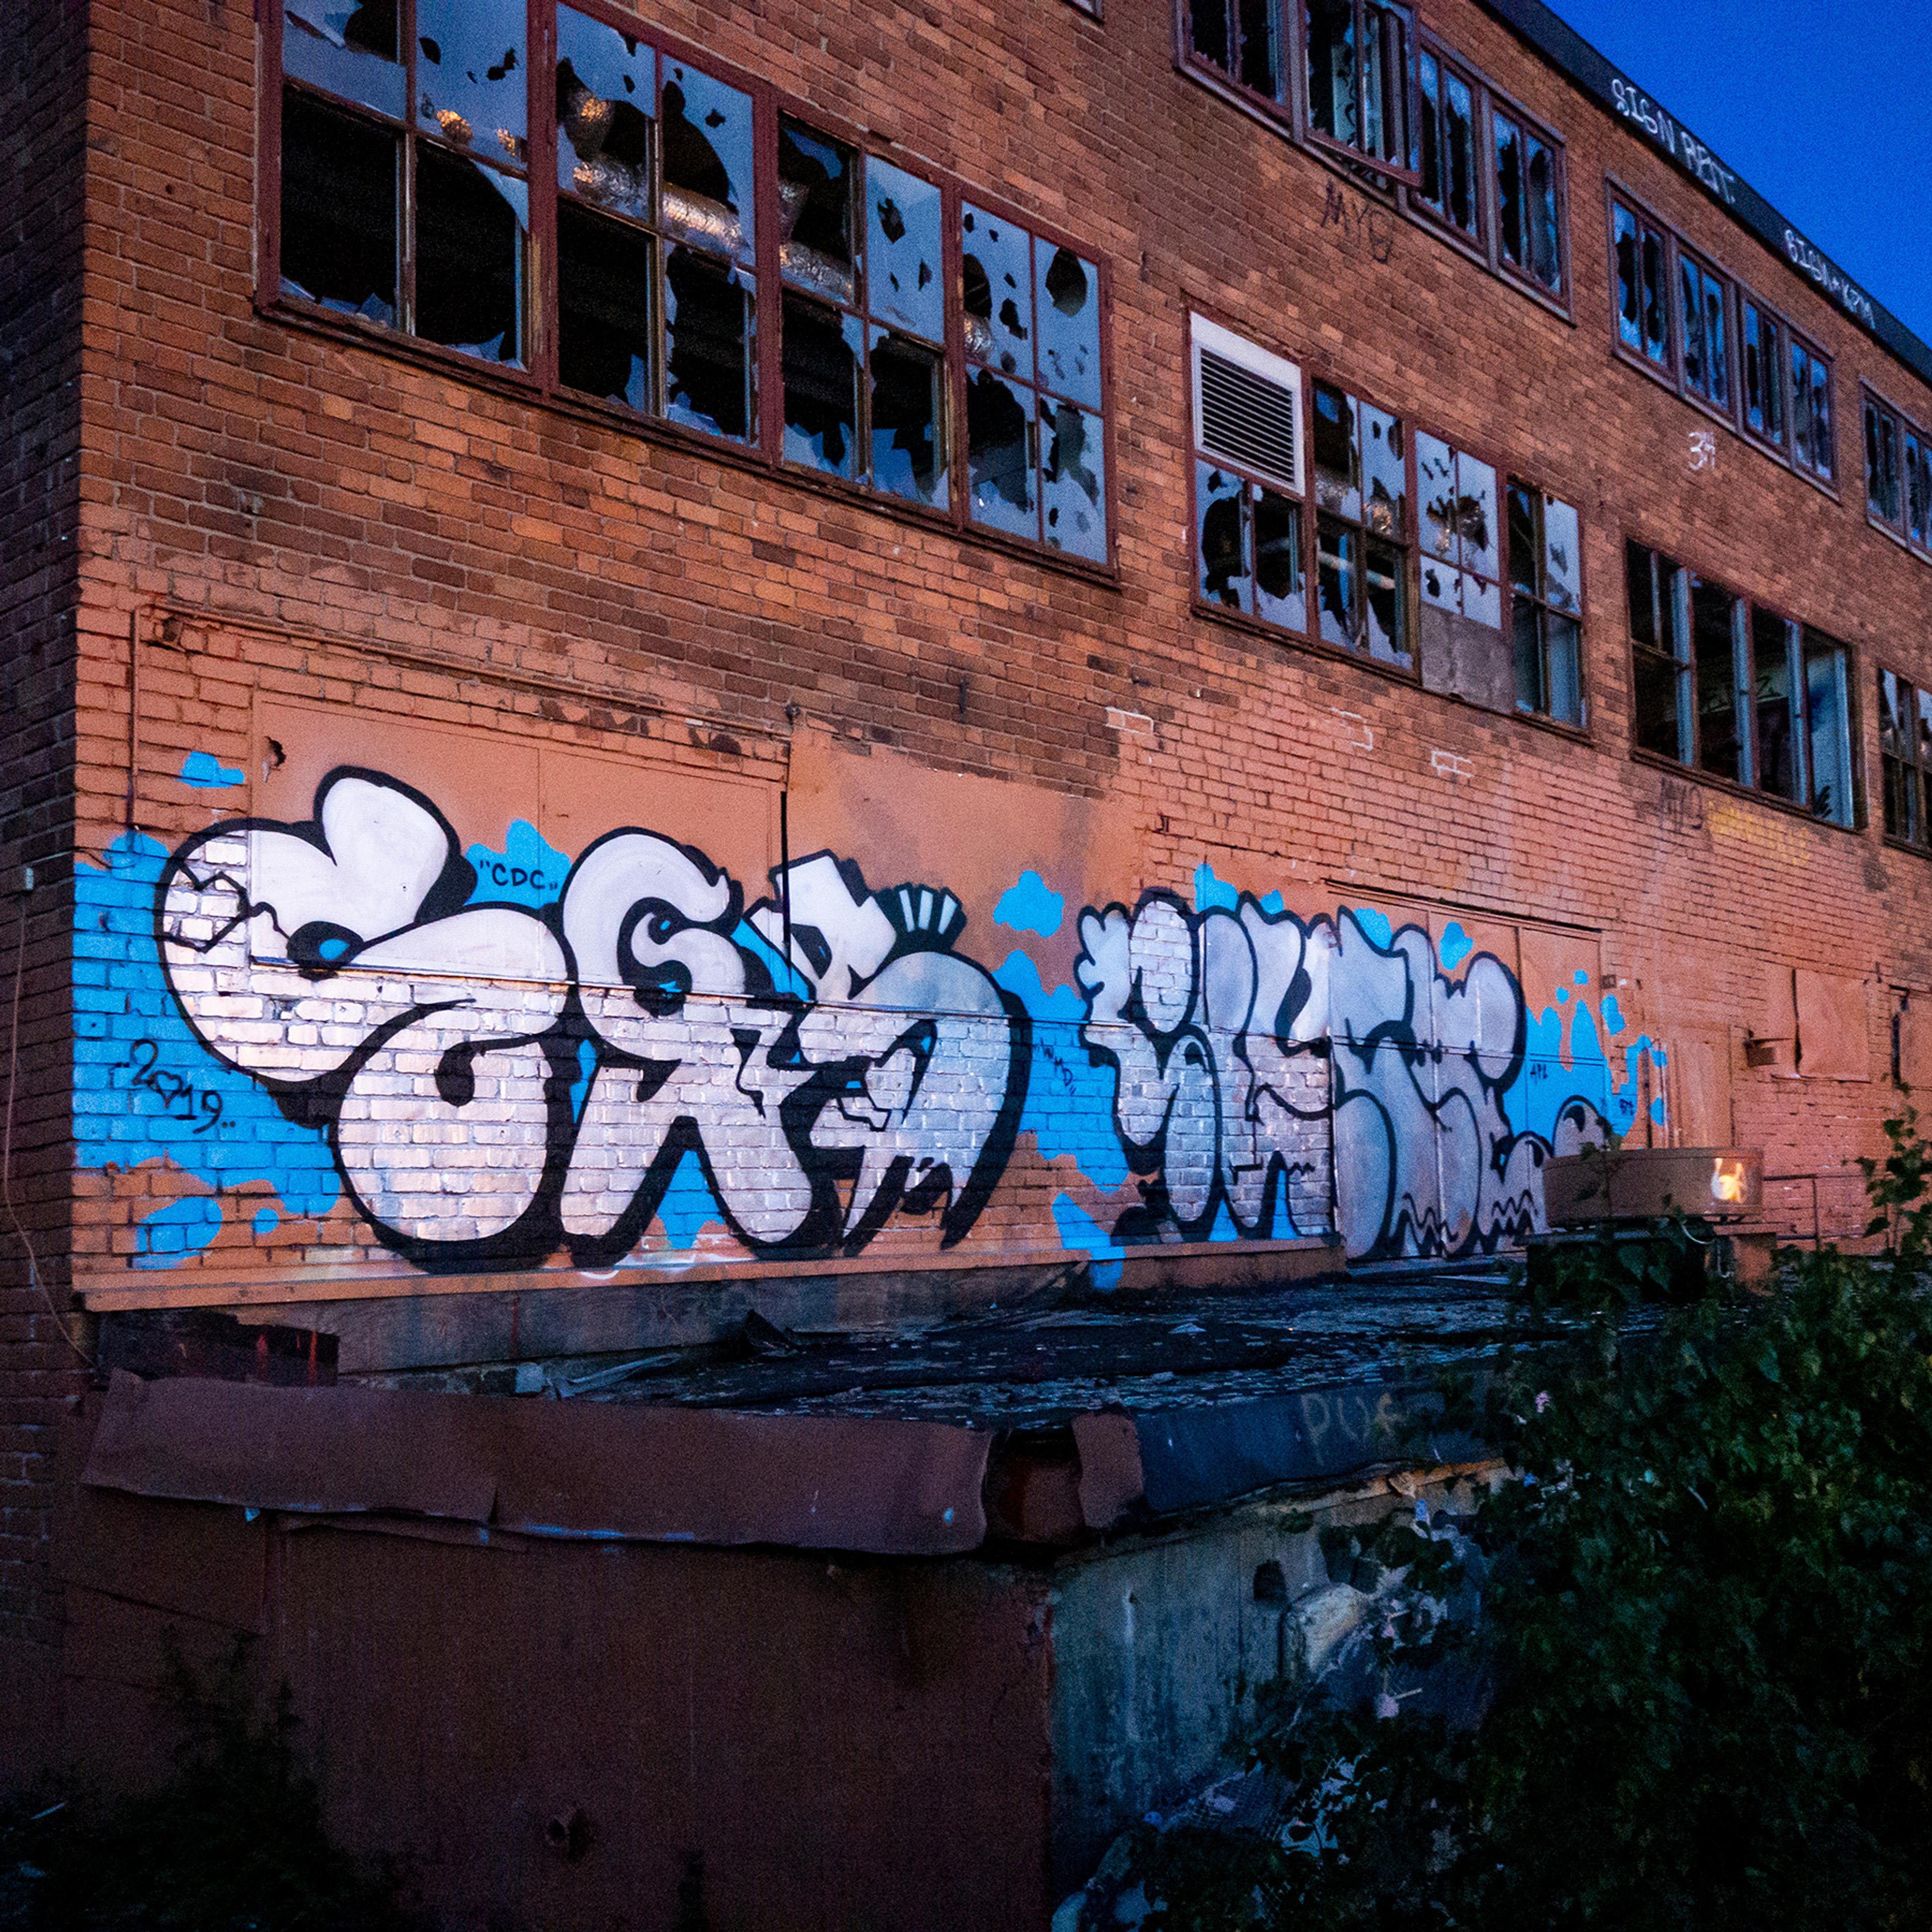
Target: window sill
1896,843
520,386
1748,794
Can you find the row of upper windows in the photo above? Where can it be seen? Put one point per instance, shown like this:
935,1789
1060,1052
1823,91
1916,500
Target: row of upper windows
918,336
702,238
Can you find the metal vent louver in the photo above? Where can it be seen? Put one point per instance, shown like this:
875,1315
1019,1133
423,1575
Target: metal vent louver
1248,420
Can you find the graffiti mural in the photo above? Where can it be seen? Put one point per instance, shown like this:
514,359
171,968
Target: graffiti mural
496,1082
502,1054
1231,1029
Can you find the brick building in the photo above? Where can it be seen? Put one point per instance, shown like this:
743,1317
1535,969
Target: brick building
666,664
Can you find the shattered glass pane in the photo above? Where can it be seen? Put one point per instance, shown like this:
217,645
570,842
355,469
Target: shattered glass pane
1563,563
1564,648
999,454
1881,465
1546,249
1374,133
1522,543
1208,25
1656,322
604,334
1261,66
1067,303
1714,645
1772,653
339,226
1330,28
1337,567
1483,601
1385,608
1072,480
1922,709
708,367
606,90
1281,593
1716,338
1696,375
1821,420
1429,88
1512,192
908,438
822,354
1442,585
1435,488
815,247
1527,629
996,277
471,227
1338,470
1224,578
1918,487
1764,387
707,161
1459,140
1385,466
1630,286
1476,517
1903,818
472,80
347,47
1829,749
1802,446
902,250
1658,707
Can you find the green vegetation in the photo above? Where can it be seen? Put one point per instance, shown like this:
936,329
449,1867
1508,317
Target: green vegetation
1704,1652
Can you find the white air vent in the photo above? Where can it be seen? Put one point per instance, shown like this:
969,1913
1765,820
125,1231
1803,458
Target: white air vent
1247,406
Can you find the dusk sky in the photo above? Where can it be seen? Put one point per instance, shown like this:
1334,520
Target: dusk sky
1825,106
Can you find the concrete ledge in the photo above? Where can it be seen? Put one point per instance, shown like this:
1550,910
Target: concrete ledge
1218,1265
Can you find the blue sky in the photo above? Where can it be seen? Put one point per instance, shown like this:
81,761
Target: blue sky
1825,106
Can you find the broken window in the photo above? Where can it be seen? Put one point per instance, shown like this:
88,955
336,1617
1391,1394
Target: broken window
1642,323
1448,129
1528,234
1738,691
1461,644
404,147
1360,77
1905,757
1660,641
1241,39
1361,526
1898,473
1702,322
1812,443
1249,526
408,140
1546,604
1034,446
1763,337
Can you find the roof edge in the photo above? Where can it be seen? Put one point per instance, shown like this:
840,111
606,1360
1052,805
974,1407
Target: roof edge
1567,49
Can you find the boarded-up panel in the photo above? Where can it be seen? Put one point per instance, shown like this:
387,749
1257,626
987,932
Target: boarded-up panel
1699,1088
1773,1045
1472,660
1914,1041
1832,1042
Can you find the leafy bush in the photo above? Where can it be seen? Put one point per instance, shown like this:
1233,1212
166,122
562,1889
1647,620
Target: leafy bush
1705,1645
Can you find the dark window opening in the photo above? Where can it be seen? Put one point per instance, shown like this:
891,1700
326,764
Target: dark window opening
606,334
1764,374
1362,526
1715,617
708,369
339,225
1546,604
469,257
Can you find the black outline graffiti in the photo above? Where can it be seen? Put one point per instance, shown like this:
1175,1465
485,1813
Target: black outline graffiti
922,919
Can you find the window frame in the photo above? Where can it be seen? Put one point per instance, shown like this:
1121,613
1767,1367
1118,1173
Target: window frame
1507,479
1485,247
536,380
1672,373
1308,638
1290,111
1797,631
1918,766
1907,430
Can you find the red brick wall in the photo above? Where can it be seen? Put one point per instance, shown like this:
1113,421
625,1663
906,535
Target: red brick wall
42,132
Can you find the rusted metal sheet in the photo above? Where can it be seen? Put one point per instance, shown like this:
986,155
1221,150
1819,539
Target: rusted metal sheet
1648,1183
668,1474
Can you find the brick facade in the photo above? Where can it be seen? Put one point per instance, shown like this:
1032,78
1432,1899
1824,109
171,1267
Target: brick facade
303,546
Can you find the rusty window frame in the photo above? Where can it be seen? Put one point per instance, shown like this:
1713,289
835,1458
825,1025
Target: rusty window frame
1531,594
1361,524
1911,521
1905,770
537,378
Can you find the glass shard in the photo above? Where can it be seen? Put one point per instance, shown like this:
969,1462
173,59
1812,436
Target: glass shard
996,262
1000,433
821,358
347,49
908,437
902,251
815,210
708,364
1067,305
606,98
1072,480
470,236
473,77
1219,548
707,161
